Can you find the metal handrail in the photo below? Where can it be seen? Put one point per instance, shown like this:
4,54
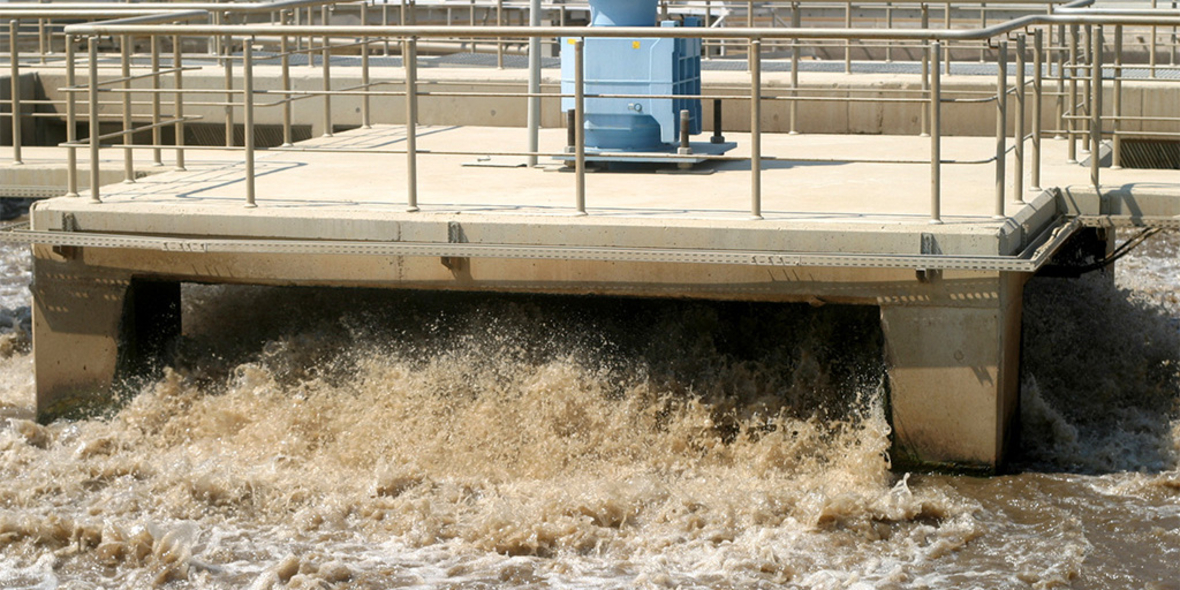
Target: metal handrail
147,26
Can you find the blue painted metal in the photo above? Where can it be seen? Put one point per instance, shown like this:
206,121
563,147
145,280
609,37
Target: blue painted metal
623,13
642,66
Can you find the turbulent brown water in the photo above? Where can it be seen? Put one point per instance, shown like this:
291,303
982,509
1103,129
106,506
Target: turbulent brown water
343,439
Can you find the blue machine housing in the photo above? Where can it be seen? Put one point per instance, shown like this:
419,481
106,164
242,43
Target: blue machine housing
636,66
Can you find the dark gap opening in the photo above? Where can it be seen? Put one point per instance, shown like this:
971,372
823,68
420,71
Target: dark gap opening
1150,153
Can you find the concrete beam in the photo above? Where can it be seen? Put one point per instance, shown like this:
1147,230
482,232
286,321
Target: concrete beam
954,366
94,327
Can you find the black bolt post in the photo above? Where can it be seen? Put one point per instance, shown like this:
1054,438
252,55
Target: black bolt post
717,136
571,133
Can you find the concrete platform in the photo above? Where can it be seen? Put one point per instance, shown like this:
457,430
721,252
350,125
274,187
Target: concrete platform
835,193
952,335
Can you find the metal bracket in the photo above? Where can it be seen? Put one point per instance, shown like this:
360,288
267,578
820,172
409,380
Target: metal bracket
455,235
1036,254
929,247
69,223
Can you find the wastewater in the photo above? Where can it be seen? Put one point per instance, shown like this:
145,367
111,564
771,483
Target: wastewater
361,439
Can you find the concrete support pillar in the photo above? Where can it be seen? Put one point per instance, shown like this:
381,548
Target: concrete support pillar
954,376
93,329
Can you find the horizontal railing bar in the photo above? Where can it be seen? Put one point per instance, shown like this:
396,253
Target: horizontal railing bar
622,155
37,13
1140,118
67,9
1144,133
111,81
123,26
132,131
557,155
114,116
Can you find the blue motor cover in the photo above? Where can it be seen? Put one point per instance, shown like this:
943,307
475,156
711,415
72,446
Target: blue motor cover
642,66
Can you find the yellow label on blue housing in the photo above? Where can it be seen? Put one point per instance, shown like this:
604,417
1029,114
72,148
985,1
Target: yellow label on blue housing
635,44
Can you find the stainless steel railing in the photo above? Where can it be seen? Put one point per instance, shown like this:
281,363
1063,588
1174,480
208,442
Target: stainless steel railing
1079,67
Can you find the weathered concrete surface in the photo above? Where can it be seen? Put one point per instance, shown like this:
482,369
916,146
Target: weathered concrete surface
92,325
29,85
40,177
954,365
816,178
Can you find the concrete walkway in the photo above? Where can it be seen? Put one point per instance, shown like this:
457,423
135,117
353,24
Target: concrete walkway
851,189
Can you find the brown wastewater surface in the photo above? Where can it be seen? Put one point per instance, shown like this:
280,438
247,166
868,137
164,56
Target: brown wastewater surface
344,439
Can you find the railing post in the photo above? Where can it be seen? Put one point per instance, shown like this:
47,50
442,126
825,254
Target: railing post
935,133
327,83
500,42
534,104
285,65
1152,49
1116,154
178,97
795,23
71,121
297,20
1018,116
946,24
366,119
1087,91
215,40
983,25
1060,102
410,59
709,23
92,49
1001,123
925,115
1096,107
228,45
43,44
756,128
1038,96
157,153
14,85
848,42
128,139
248,116
889,25
580,125
385,23
1071,108
310,39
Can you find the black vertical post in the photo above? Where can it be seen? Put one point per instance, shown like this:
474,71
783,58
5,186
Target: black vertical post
717,135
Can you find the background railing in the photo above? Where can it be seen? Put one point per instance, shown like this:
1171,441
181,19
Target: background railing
133,74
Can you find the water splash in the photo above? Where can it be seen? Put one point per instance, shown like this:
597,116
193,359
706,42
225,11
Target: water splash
386,440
